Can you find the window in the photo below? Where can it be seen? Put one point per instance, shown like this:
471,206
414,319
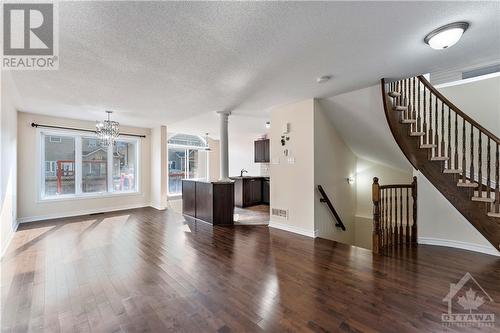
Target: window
77,165
187,159
59,165
124,166
94,166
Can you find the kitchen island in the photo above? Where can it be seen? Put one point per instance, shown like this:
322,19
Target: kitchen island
211,202
250,191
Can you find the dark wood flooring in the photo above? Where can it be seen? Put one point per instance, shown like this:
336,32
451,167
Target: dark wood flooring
254,215
145,270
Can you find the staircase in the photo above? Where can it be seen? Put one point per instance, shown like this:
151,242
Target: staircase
454,152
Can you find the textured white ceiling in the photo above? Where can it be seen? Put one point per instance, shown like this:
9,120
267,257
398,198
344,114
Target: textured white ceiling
165,62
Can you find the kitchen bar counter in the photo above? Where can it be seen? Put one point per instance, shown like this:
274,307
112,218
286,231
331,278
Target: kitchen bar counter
212,202
251,191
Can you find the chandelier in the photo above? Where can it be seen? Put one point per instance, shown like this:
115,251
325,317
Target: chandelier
107,131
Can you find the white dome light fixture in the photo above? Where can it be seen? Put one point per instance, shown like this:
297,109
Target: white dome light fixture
446,36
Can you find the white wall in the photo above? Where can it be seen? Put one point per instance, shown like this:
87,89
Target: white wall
439,223
241,153
479,99
8,160
292,181
334,162
30,208
159,167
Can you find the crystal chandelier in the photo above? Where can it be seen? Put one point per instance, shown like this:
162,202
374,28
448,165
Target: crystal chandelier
107,131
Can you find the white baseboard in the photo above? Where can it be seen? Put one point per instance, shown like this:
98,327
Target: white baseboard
78,213
4,250
296,230
157,207
459,245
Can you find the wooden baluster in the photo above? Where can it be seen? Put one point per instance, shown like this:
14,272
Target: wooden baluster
407,240
424,129
391,231
414,196
376,215
386,205
488,169
413,112
480,166
442,148
431,133
455,159
471,172
464,161
401,216
436,128
384,220
419,118
497,179
448,150
396,234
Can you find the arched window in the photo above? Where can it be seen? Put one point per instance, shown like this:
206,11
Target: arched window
187,140
187,159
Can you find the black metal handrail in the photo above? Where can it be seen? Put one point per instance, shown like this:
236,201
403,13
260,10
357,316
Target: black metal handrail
325,198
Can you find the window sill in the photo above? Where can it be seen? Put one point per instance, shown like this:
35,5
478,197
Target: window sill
101,195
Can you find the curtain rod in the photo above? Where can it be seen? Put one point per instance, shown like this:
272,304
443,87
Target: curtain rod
82,130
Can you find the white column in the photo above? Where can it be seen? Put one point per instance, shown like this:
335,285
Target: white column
224,148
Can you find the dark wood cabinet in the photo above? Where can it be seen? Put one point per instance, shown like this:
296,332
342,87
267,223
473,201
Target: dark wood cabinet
262,151
212,202
265,191
247,191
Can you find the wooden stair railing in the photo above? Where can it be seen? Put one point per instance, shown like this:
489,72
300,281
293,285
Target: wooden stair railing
394,215
324,198
453,151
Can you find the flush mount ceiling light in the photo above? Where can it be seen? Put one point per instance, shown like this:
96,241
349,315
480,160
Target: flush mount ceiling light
446,36
323,79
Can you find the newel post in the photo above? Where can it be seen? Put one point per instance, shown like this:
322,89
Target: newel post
376,215
414,196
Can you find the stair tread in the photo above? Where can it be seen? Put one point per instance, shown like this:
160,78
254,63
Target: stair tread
400,108
439,158
483,199
452,171
417,133
394,94
491,214
408,121
428,145
467,184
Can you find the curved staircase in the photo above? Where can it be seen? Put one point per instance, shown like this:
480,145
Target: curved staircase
454,152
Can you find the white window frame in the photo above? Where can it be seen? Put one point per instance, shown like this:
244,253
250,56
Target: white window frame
186,163
77,135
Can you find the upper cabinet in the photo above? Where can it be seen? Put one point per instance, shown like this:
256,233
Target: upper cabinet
261,151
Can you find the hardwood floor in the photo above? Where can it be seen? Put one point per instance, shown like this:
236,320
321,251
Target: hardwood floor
147,270
254,215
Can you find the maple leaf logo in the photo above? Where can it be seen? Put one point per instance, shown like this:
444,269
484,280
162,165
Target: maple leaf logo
470,301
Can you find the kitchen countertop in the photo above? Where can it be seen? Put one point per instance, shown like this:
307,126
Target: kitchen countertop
249,177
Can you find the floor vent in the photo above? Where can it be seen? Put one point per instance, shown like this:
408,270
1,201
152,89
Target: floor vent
279,212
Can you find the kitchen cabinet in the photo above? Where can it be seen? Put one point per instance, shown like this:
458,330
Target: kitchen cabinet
247,191
262,151
265,191
211,202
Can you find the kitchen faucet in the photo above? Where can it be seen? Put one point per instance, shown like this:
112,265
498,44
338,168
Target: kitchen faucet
242,171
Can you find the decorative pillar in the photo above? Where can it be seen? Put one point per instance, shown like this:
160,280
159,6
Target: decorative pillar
224,147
